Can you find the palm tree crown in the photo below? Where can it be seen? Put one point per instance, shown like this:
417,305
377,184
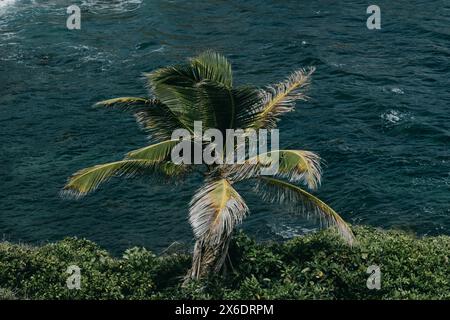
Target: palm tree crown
202,90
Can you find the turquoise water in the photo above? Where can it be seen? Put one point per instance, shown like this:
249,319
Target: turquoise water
379,113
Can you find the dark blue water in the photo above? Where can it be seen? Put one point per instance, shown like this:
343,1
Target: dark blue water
379,114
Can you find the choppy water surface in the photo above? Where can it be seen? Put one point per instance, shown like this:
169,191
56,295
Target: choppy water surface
379,113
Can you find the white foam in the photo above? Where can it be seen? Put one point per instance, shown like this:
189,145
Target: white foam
397,90
392,116
395,117
4,3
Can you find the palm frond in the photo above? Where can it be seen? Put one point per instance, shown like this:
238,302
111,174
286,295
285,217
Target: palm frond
214,67
160,121
215,210
224,108
280,98
87,180
155,152
125,103
175,86
217,104
301,202
248,102
151,114
295,165
178,86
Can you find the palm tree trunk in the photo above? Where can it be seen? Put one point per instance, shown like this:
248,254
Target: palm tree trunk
208,258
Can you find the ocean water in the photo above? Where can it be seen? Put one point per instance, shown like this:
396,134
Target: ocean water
379,113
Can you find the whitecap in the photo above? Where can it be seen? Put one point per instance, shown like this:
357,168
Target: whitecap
397,90
392,116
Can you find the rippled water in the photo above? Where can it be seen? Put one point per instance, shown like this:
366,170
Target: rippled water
379,113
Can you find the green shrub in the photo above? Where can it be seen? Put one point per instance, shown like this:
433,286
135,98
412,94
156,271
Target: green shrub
316,266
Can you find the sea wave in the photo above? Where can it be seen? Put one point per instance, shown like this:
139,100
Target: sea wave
290,230
102,6
6,2
395,117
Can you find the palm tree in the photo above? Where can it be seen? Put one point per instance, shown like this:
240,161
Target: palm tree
202,90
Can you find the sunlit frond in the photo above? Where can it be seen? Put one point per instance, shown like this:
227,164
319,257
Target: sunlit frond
125,103
87,180
298,201
215,210
295,165
280,98
155,152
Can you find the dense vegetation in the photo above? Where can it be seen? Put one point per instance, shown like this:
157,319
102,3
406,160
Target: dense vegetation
316,266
